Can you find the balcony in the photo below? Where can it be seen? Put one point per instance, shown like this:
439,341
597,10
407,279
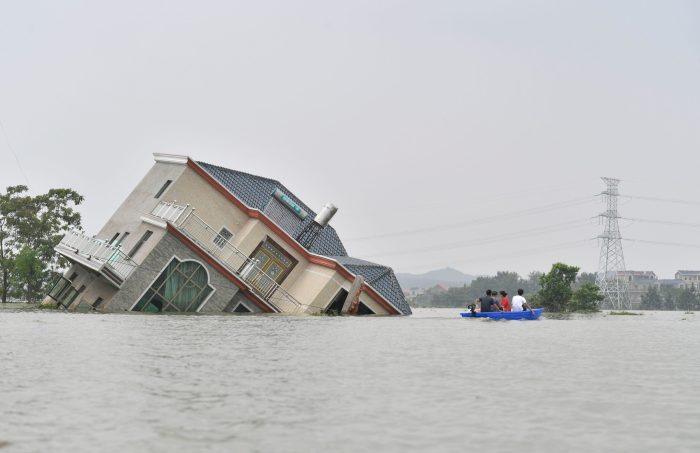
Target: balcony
98,255
198,231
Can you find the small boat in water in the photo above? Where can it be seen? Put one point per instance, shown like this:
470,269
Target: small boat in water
536,312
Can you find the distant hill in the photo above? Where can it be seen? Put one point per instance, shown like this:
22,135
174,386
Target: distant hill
448,277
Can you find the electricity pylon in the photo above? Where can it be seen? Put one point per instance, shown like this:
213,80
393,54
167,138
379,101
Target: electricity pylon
611,279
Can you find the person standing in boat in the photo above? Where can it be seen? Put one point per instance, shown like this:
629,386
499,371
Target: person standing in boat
489,303
505,303
519,303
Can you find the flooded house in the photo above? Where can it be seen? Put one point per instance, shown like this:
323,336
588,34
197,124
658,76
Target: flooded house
197,237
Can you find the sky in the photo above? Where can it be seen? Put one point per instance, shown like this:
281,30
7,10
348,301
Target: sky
468,134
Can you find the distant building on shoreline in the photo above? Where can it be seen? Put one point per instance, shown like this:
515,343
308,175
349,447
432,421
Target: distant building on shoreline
690,277
196,237
639,283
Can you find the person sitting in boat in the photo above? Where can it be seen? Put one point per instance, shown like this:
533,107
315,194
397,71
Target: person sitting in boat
489,303
519,303
505,303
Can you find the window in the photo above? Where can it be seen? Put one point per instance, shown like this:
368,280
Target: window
269,266
163,189
73,276
363,309
121,239
138,245
114,238
240,308
58,288
223,237
68,297
181,287
98,302
336,305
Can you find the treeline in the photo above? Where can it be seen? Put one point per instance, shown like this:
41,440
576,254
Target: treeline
557,297
669,298
462,296
30,228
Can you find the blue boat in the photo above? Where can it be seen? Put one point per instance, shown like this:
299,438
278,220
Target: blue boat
536,312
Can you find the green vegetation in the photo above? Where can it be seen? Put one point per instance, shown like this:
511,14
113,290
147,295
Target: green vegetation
563,289
624,313
586,298
464,295
30,228
557,295
671,299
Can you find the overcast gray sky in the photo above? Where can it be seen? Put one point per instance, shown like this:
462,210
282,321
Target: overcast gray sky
434,126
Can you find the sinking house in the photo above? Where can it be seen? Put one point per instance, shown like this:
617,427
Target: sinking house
196,237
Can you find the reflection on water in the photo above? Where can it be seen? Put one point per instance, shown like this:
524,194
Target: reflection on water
432,381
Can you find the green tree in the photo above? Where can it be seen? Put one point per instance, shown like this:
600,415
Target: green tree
586,298
462,296
30,228
651,300
555,294
687,299
29,275
585,277
13,210
669,296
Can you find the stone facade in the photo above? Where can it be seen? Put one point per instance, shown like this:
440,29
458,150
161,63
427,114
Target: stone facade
166,249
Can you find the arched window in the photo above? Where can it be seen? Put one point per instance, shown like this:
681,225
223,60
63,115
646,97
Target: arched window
182,286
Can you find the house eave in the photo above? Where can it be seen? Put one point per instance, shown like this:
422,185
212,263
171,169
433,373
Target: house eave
170,158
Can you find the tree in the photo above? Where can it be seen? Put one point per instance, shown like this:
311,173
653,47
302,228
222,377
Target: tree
687,299
555,293
30,228
585,277
13,208
586,298
651,300
29,271
668,297
462,296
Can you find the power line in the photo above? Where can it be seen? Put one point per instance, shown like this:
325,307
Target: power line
491,239
662,200
672,244
665,222
9,146
517,254
496,218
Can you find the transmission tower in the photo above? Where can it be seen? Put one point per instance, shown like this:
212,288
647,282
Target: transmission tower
610,278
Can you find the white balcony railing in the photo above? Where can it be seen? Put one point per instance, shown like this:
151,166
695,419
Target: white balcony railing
238,263
99,251
168,211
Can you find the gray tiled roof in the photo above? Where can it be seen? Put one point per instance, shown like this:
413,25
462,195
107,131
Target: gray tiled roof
256,192
379,277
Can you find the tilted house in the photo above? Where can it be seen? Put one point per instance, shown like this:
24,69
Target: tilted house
196,237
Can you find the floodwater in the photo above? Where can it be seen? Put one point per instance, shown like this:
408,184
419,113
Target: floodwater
429,382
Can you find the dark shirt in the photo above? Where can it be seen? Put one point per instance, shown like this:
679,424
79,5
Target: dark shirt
488,303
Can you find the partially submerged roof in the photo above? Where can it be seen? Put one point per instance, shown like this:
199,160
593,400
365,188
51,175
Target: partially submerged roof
379,277
257,192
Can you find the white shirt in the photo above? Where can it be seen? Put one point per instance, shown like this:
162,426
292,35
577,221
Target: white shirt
517,303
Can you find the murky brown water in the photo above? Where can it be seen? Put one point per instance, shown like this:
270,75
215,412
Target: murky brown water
429,382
